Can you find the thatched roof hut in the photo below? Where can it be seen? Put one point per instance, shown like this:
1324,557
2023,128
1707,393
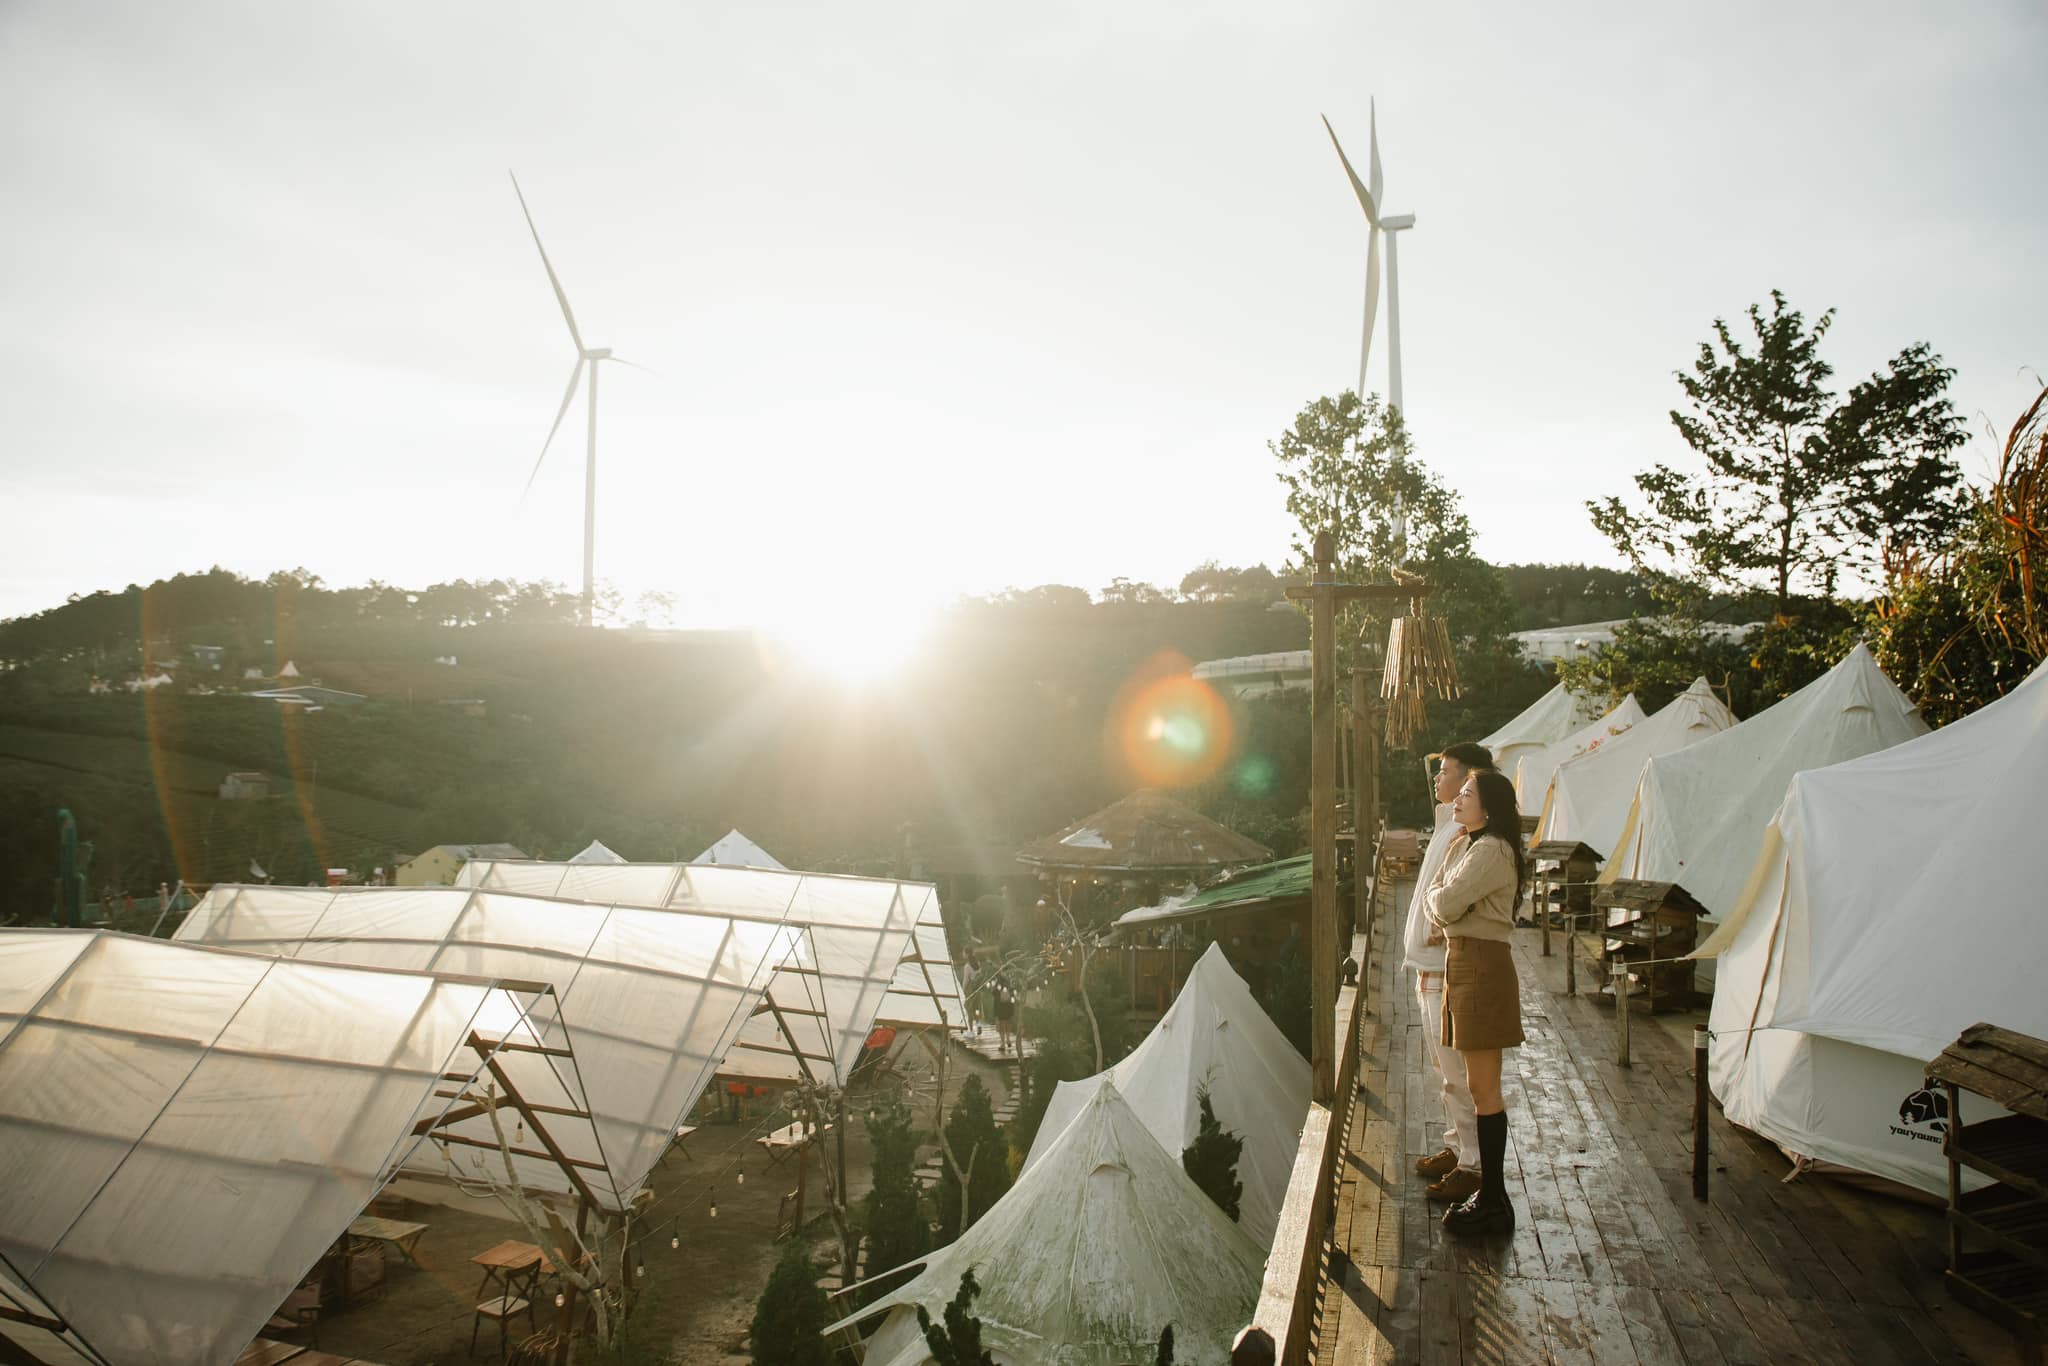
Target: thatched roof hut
1146,834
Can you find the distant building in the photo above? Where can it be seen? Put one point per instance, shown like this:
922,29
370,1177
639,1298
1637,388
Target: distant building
1549,644
242,787
309,695
209,656
1247,676
439,865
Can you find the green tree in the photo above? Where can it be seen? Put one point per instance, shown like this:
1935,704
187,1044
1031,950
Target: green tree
1211,1160
1962,629
1799,482
1210,581
790,1316
893,1209
974,1140
1286,998
1349,467
958,1343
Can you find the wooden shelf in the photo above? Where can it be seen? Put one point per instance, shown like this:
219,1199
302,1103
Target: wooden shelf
2012,1149
2003,1287
2016,1223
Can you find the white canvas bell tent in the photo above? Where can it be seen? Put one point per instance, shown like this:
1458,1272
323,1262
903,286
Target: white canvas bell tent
734,850
1547,720
1589,795
1532,774
184,1131
1897,901
1699,814
648,999
919,990
1214,1037
1099,1245
595,852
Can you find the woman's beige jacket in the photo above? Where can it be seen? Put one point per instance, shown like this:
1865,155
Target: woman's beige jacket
1473,893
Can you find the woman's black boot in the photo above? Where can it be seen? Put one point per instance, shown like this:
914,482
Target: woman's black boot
1489,1211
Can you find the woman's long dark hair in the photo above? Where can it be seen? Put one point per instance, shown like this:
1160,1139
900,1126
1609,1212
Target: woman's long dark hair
1503,818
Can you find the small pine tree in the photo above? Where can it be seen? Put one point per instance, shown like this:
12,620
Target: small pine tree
893,1210
974,1138
959,1342
1165,1357
1211,1160
790,1316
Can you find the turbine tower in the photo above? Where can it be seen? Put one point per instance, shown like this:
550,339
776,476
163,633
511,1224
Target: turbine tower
585,355
1369,193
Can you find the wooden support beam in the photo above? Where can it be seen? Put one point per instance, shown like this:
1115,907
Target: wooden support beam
466,1141
1322,817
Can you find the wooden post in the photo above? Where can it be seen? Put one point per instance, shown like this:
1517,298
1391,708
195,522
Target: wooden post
1365,816
1699,1112
1540,892
1322,819
1622,1009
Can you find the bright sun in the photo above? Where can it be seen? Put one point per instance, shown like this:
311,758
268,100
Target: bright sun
857,644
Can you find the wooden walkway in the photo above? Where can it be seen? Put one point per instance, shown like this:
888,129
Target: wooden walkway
1612,1260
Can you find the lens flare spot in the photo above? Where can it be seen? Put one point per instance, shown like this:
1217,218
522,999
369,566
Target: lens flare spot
1170,730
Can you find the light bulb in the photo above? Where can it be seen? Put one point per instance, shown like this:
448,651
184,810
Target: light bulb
640,1273
519,1132
743,1178
559,1301
675,1241
714,1209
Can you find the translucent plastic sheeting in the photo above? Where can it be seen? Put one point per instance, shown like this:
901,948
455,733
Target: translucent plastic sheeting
183,1131
872,951
646,1001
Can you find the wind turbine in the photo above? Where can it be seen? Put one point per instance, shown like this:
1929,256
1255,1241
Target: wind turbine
585,355
1369,199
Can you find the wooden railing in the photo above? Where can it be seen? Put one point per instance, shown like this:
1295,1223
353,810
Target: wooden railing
1279,1331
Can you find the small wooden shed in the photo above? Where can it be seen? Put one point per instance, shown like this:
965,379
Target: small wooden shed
1650,926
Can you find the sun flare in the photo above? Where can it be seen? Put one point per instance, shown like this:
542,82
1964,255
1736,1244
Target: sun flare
856,644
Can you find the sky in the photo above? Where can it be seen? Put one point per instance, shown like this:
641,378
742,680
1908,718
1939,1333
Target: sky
937,299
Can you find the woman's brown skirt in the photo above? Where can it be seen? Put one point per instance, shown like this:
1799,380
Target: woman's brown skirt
1482,996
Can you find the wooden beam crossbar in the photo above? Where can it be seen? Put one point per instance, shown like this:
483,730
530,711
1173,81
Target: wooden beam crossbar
485,1049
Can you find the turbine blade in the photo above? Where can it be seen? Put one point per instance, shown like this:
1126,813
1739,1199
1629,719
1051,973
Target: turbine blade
621,360
568,397
560,297
1372,303
1366,198
1373,174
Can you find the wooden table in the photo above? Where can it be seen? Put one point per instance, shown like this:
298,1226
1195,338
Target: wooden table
513,1265
269,1352
790,1138
401,1235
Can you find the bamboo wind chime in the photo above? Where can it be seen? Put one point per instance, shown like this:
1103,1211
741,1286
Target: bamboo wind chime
1419,663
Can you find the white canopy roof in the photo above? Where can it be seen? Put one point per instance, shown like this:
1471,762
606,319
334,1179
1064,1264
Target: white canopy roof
836,970
1215,1036
595,852
1589,795
1699,814
1533,771
1099,1245
648,999
1545,721
736,850
1897,901
183,1131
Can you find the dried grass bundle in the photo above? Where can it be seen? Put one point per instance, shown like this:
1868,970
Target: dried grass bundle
1419,663
2019,507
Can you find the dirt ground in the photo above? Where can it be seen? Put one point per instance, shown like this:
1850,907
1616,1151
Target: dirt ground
697,1299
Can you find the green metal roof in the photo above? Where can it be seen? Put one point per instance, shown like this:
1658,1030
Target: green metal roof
1266,881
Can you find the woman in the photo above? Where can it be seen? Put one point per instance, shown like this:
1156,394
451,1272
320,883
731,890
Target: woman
1471,902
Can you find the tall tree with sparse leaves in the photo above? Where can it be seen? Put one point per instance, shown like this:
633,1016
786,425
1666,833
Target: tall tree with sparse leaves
958,1343
975,1141
790,1316
1211,1160
893,1209
1800,482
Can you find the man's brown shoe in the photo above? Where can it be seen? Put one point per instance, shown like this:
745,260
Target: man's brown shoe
1442,1163
1455,1186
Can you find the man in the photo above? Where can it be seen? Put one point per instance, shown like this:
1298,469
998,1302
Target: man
1454,1171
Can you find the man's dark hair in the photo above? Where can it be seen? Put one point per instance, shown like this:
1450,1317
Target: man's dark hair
1475,757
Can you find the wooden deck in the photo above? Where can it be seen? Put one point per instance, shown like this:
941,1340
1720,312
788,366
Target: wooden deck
1612,1259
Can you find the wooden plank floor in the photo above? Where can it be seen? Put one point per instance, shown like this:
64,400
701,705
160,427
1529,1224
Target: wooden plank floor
1612,1260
